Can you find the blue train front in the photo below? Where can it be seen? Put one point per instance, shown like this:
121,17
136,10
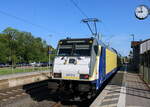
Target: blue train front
82,65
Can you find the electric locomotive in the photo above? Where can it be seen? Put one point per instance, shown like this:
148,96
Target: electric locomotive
82,65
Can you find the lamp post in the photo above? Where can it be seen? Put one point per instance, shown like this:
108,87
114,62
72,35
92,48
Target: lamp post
132,36
132,53
49,51
12,49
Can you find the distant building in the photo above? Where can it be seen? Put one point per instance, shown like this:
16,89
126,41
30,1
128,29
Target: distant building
145,60
141,58
135,45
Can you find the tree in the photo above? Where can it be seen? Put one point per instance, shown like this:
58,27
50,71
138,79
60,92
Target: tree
11,34
22,47
4,49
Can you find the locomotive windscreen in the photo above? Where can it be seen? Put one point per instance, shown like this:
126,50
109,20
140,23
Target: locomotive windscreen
74,48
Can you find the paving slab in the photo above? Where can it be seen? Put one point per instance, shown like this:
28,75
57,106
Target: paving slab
137,92
126,89
109,97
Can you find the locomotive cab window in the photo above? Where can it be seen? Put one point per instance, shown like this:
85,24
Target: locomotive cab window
82,50
74,49
65,50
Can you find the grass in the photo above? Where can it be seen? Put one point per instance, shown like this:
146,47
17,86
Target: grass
4,71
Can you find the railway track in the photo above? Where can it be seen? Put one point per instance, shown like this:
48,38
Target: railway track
37,91
10,94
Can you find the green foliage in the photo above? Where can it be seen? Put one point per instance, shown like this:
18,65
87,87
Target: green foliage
4,71
22,47
4,48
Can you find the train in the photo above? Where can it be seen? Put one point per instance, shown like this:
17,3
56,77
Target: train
82,65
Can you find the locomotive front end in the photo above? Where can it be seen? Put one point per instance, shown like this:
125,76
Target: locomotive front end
72,66
73,59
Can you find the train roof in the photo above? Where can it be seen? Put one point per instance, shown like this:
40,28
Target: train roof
68,38
108,47
92,38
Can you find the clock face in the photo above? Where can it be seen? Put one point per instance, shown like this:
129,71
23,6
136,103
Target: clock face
142,12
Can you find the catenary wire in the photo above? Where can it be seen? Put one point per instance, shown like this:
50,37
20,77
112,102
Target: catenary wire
81,11
26,21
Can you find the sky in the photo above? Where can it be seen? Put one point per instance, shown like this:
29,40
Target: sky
53,20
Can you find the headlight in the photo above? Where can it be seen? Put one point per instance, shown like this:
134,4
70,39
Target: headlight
57,75
84,76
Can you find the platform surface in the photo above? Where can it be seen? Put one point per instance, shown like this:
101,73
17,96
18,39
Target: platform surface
126,89
21,74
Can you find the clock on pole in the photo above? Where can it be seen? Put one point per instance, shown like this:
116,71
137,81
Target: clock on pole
142,12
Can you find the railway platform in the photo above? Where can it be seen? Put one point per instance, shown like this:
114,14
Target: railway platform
21,74
17,79
126,89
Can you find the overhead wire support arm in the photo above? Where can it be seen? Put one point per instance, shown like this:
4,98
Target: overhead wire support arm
95,28
90,28
87,20
94,20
